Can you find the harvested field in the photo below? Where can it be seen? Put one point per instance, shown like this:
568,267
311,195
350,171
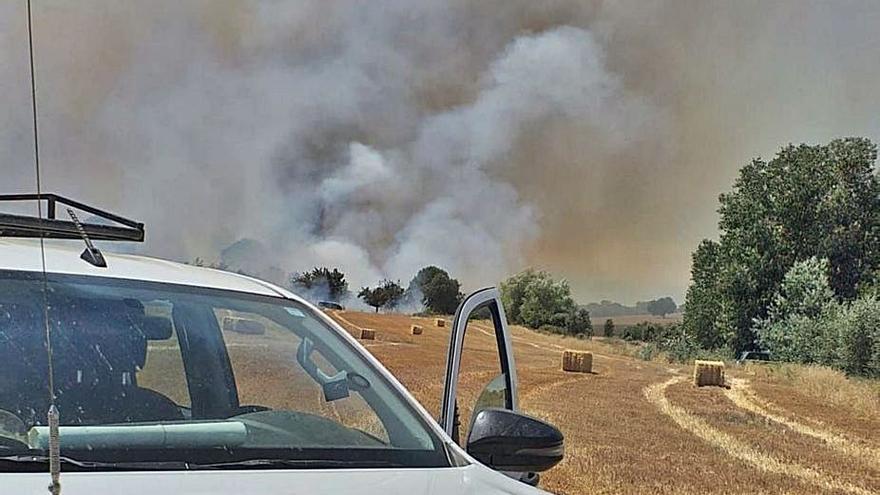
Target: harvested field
640,427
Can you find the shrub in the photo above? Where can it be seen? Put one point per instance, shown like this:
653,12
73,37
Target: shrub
609,328
857,337
647,352
631,333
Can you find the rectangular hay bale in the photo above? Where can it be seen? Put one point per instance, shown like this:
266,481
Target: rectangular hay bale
577,361
440,322
368,334
708,373
415,330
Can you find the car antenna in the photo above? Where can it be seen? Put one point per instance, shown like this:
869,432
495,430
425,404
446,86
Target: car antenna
52,414
91,255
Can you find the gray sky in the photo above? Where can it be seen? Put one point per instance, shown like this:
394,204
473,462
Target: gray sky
587,138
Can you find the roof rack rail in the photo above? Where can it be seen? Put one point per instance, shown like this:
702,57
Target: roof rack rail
52,228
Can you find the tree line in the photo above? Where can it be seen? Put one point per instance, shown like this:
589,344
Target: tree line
432,289
795,269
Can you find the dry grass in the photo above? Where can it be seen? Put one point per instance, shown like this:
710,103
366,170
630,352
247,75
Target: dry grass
826,384
744,397
742,450
617,439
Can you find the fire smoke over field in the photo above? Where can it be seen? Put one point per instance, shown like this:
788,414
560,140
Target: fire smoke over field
589,138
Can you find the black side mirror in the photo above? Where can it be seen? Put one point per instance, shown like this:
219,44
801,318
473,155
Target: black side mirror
508,441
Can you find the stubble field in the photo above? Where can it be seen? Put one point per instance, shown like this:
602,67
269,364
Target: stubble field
639,427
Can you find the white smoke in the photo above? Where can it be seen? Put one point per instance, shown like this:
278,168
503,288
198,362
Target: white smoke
315,145
583,136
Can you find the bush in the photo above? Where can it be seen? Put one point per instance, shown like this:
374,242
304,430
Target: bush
858,338
799,326
647,352
631,333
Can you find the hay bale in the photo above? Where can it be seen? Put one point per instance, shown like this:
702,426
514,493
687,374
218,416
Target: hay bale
415,330
368,334
577,361
440,322
709,373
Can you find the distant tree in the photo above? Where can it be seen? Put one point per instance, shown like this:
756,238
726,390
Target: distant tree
513,291
662,307
609,328
535,299
440,293
322,278
578,322
387,294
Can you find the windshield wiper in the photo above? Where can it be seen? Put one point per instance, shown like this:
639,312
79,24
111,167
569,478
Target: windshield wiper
40,462
296,463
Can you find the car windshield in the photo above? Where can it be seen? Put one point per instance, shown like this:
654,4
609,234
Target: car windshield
161,374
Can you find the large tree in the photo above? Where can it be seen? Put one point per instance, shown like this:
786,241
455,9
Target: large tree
326,283
439,293
821,201
662,307
386,295
535,299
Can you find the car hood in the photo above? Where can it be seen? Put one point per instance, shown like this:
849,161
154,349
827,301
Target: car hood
473,479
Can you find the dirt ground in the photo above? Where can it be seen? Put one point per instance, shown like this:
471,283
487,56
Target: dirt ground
638,427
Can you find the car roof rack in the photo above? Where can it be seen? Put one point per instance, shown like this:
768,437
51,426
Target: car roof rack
52,228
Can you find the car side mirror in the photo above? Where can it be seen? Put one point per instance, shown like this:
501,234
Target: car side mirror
509,441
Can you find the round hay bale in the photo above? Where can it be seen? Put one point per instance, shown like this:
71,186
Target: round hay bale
415,330
368,334
577,361
440,322
709,373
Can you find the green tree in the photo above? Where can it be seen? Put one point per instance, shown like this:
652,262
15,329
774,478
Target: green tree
662,307
440,293
821,201
703,299
858,338
329,284
513,292
798,326
578,322
386,295
535,299
609,328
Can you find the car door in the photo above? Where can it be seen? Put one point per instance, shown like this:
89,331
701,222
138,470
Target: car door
480,369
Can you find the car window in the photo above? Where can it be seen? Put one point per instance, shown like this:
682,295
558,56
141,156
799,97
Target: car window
481,382
163,369
233,376
260,352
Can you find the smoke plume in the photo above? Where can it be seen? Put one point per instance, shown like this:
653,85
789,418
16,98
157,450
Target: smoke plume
588,138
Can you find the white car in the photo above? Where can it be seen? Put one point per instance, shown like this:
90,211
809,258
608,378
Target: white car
158,394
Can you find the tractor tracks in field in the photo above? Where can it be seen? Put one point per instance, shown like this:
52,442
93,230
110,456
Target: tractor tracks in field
741,394
656,395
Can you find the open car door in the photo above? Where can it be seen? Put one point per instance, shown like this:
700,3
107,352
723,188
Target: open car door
479,409
480,349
